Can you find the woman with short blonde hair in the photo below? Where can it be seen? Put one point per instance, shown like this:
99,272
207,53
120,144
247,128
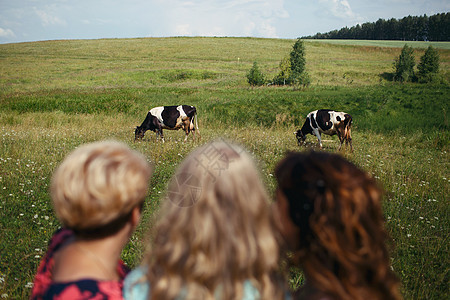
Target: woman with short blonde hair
214,238
98,183
97,193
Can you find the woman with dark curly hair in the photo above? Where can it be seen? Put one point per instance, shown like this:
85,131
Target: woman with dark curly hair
330,215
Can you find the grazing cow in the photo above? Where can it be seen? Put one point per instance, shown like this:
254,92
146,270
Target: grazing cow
328,122
168,117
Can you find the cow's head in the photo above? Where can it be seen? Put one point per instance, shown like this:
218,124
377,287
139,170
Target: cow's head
301,138
139,133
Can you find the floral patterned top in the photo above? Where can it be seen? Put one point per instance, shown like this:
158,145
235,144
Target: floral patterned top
45,288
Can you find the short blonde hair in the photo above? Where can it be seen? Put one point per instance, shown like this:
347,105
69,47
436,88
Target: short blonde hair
98,183
215,230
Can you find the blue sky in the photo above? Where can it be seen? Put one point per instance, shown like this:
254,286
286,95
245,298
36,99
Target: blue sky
35,20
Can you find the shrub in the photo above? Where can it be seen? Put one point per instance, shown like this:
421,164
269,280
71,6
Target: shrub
255,76
429,66
284,77
404,65
304,79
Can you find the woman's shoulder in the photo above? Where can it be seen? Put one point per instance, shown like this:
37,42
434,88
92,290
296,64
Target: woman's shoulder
135,285
85,289
43,277
252,293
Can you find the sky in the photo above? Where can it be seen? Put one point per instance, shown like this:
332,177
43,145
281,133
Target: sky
37,20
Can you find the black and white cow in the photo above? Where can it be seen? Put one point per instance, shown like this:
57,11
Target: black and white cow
168,117
329,122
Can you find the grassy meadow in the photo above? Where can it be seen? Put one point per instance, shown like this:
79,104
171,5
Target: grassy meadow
57,95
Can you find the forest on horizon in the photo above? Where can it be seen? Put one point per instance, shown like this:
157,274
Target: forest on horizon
418,28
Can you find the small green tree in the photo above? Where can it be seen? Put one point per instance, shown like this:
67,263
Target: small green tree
428,66
404,65
255,76
298,63
283,77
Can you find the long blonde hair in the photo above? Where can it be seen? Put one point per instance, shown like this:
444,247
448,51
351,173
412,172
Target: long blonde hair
215,230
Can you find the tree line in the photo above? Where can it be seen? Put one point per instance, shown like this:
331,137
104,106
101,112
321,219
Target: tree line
418,28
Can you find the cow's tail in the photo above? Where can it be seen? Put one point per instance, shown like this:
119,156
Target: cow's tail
196,123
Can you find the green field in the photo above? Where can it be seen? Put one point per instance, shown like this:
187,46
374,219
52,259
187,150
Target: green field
56,95
394,44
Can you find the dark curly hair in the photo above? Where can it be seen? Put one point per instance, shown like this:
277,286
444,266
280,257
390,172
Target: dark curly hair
337,208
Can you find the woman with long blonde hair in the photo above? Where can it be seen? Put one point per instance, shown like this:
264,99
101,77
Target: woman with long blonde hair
214,237
330,215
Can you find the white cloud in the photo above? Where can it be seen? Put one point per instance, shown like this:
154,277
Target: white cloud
267,30
339,8
183,29
5,33
342,7
225,18
47,18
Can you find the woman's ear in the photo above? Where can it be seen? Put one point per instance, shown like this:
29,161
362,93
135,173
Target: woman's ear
136,216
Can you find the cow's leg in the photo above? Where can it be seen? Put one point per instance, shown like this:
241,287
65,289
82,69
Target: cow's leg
349,138
162,136
192,128
159,135
186,126
159,131
319,139
193,133
341,139
349,142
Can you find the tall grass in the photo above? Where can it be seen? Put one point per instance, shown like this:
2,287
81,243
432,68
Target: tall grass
57,95
141,63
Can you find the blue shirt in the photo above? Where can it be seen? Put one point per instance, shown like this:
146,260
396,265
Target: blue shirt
136,287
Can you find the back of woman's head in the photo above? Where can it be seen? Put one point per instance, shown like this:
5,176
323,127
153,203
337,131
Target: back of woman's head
97,185
337,208
215,230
